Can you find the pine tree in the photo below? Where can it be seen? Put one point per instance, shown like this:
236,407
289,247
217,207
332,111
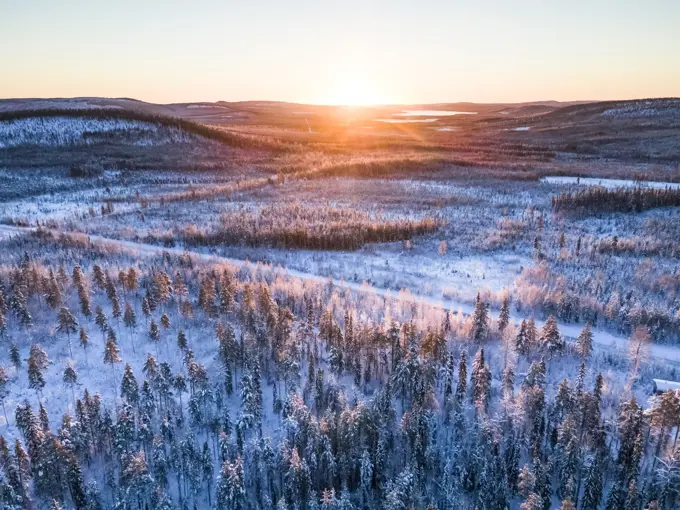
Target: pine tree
23,469
632,501
208,469
99,277
631,422
67,324
480,327
181,341
163,286
150,367
584,342
38,361
206,296
551,340
146,309
616,497
102,321
366,474
461,387
154,333
4,381
15,356
230,493
111,355
521,341
593,489
130,321
131,282
532,334
75,482
638,348
84,298
52,292
180,385
70,377
480,379
180,288
129,388
665,415
504,315
165,321
116,312
84,340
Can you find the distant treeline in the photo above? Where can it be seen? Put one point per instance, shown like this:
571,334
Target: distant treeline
226,137
597,200
309,228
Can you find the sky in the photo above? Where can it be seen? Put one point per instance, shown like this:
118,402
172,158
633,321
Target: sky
349,51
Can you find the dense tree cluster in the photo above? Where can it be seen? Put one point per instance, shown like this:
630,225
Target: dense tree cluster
599,304
307,227
311,399
595,200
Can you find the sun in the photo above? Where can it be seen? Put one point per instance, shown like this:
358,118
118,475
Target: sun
354,92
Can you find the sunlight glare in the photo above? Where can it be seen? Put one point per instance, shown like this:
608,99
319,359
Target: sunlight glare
355,92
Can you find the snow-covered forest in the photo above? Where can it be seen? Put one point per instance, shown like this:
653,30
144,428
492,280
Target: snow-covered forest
139,381
236,320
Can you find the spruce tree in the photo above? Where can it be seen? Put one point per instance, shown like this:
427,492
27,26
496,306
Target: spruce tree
521,341
593,487
102,321
146,309
181,341
70,377
129,389
154,333
480,317
67,324
130,321
461,387
4,391
111,354
504,315
480,380
15,356
531,334
38,361
230,492
584,342
551,340
165,321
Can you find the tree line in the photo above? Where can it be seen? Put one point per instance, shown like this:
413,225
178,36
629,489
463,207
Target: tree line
595,200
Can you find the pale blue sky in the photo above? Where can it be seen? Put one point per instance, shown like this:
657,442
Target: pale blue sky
349,51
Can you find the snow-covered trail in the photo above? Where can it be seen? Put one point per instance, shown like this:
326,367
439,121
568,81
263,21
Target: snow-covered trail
602,338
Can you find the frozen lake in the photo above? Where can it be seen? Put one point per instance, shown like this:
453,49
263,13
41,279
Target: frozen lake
426,113
404,121
609,183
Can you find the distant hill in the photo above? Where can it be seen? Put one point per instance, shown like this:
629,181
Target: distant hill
645,130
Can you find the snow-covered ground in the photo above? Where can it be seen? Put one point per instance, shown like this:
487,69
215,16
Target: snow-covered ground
608,183
58,131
